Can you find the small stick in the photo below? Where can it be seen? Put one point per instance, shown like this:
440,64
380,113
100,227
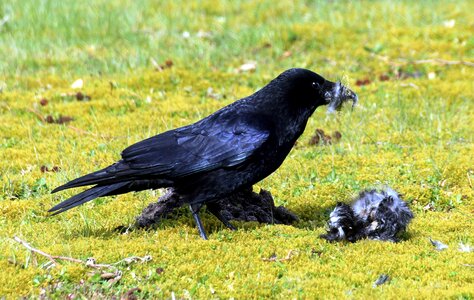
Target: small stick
40,117
438,61
443,62
28,246
90,262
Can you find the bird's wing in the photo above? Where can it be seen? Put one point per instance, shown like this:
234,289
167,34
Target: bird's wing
198,148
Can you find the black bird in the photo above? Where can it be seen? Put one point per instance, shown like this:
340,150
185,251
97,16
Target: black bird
231,149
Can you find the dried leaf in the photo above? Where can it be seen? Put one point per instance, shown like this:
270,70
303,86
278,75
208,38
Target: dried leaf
130,294
78,84
159,270
82,97
169,63
45,169
108,276
64,119
336,136
362,82
247,67
401,74
61,120
321,138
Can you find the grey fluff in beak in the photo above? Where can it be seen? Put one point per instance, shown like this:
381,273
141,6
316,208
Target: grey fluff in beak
338,96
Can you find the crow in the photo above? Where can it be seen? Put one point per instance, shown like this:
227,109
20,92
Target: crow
229,150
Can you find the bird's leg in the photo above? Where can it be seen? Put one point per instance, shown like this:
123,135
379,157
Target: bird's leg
213,210
195,211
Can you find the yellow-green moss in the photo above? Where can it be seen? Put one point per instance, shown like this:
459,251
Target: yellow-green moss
414,134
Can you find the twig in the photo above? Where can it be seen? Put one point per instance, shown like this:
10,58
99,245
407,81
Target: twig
28,246
468,265
40,117
82,131
442,62
437,61
4,20
90,262
410,85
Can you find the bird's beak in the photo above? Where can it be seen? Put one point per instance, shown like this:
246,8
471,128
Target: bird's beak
338,95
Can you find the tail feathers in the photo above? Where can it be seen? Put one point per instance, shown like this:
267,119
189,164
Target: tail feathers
98,177
88,195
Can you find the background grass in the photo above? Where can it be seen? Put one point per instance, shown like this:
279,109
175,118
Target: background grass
410,132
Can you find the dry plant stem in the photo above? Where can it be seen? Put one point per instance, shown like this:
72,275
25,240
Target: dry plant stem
78,130
34,250
40,117
437,61
88,263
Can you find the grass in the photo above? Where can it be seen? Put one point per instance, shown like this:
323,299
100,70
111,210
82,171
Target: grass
414,134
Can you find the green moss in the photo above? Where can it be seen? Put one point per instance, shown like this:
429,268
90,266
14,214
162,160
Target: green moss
413,134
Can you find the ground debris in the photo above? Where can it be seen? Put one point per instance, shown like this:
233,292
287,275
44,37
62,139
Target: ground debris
45,169
89,262
383,278
245,205
78,84
465,248
438,245
321,138
247,67
274,257
167,64
60,120
131,294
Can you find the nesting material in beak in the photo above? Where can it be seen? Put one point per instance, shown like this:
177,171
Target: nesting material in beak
338,96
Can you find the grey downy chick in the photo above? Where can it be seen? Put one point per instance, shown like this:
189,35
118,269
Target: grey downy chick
376,215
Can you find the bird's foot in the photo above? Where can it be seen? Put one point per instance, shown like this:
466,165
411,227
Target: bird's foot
195,211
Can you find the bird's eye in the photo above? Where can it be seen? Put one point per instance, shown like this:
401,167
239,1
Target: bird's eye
315,85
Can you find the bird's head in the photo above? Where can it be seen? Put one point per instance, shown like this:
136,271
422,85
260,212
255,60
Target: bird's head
306,89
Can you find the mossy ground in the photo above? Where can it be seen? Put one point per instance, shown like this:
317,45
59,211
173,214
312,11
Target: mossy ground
414,134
